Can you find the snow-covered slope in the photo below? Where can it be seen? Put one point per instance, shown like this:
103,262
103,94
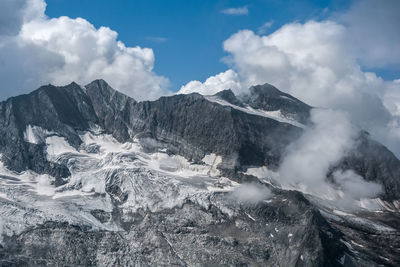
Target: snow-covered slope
104,171
92,177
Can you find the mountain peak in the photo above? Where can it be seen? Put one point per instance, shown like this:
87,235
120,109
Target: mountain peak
269,91
229,96
269,98
136,165
99,83
265,89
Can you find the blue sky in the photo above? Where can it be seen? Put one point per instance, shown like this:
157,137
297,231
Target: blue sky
193,30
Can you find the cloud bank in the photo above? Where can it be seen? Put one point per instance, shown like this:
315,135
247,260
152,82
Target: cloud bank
36,50
322,64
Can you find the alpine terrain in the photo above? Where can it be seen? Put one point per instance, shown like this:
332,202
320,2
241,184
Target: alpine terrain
91,177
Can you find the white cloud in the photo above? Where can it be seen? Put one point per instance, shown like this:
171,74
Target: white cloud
374,27
265,27
321,147
251,193
13,13
315,62
61,50
238,11
11,17
222,81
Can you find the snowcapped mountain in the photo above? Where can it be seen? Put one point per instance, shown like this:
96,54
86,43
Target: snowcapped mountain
89,176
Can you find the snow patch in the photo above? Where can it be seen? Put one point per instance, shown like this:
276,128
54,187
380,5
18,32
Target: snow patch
275,115
57,146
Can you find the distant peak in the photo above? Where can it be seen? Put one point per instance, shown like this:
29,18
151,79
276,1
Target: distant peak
266,90
227,92
99,82
101,88
229,96
101,85
73,84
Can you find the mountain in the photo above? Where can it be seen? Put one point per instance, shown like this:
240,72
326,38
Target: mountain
89,176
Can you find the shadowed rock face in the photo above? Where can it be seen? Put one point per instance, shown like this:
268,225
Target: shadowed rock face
267,97
63,110
193,126
211,229
375,162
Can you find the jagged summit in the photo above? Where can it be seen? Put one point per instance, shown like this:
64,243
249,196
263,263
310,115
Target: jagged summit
268,90
103,88
230,97
268,97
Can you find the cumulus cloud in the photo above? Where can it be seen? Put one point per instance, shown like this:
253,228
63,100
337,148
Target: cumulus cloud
316,62
310,158
238,11
61,50
222,81
374,27
13,13
11,17
251,193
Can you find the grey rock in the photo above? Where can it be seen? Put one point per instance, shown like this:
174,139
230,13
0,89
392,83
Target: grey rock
268,97
290,233
213,229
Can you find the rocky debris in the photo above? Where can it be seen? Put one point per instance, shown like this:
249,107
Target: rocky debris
278,233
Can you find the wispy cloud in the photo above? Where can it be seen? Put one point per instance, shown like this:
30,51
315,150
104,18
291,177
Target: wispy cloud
264,28
157,39
238,11
251,193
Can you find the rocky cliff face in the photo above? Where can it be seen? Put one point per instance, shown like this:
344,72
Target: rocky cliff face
89,176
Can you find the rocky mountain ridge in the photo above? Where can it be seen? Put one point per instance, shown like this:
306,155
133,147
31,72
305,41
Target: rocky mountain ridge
159,176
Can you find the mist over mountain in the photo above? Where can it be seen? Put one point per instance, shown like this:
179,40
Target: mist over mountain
90,176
